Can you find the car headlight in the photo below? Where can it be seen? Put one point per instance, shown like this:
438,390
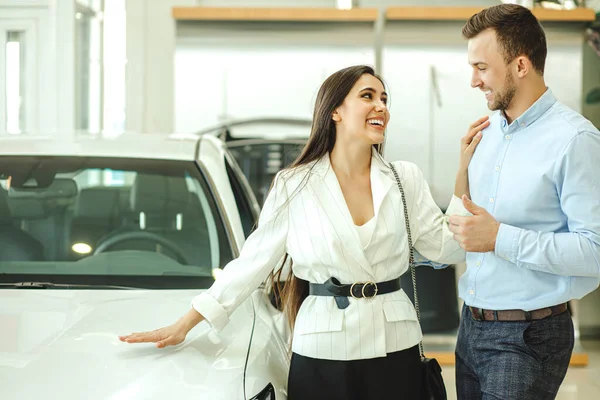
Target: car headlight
268,393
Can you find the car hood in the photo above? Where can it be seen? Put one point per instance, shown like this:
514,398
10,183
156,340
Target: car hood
64,344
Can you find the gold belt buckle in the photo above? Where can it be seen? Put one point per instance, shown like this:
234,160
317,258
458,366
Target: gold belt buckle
352,289
364,296
363,290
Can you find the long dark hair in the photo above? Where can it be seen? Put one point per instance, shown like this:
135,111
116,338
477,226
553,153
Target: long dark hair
292,292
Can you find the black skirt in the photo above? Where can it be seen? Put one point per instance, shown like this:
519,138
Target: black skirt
396,376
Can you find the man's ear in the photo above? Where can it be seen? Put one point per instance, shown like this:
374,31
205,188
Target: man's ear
336,116
523,66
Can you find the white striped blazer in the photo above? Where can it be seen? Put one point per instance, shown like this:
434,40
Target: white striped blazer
306,216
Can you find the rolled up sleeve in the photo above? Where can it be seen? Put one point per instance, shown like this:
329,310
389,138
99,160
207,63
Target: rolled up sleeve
261,253
432,237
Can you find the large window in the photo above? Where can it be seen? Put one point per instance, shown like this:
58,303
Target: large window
88,66
14,82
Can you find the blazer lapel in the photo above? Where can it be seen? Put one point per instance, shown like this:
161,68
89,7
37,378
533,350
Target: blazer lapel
382,180
383,184
330,197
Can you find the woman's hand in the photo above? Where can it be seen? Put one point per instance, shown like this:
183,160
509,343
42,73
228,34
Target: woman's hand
469,142
169,335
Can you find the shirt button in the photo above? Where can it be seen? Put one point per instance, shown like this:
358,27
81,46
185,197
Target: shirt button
522,124
478,263
507,137
491,199
497,168
471,292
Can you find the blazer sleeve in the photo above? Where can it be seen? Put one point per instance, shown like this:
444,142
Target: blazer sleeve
431,235
261,253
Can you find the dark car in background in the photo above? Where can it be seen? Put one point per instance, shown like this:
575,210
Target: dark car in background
263,146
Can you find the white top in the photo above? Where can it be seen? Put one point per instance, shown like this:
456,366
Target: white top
306,216
365,232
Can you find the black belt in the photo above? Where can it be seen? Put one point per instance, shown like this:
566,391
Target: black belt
358,290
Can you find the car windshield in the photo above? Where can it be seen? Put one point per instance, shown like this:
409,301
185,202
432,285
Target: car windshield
108,222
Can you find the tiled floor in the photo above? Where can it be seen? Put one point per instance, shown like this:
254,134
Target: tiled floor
581,383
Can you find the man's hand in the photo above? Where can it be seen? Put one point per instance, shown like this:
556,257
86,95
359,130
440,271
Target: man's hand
478,233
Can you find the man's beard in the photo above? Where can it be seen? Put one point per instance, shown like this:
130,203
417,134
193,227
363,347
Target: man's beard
503,99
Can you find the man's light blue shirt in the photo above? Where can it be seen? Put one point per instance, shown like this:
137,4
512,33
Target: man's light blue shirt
540,178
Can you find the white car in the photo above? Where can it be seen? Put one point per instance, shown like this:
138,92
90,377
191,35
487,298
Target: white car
101,237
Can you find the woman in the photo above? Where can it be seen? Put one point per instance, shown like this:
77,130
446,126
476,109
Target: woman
337,212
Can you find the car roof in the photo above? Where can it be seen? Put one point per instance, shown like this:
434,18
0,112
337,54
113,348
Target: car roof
269,128
125,145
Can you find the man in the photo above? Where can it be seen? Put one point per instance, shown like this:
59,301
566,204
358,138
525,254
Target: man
533,242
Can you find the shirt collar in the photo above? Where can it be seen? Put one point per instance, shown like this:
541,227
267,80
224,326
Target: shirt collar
536,110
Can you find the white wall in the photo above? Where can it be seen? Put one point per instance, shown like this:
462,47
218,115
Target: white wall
235,70
50,91
214,84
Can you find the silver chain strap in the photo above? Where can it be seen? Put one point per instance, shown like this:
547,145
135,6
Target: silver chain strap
411,260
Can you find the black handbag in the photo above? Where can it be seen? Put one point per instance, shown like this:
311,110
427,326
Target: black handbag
432,383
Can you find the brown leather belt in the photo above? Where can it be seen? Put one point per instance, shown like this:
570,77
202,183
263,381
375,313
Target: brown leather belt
517,315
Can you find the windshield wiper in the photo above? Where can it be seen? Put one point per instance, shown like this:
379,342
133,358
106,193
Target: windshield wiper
50,285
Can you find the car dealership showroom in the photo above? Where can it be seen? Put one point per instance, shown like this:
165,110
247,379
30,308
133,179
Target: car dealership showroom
299,199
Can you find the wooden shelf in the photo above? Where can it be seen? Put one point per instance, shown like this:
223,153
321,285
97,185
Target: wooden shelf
274,14
361,14
431,13
464,13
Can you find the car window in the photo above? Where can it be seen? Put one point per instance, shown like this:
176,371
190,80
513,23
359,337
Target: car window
248,215
133,222
260,160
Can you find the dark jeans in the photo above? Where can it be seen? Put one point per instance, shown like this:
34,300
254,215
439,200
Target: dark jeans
397,376
512,360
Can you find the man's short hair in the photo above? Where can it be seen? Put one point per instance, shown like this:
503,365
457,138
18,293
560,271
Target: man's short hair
518,32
